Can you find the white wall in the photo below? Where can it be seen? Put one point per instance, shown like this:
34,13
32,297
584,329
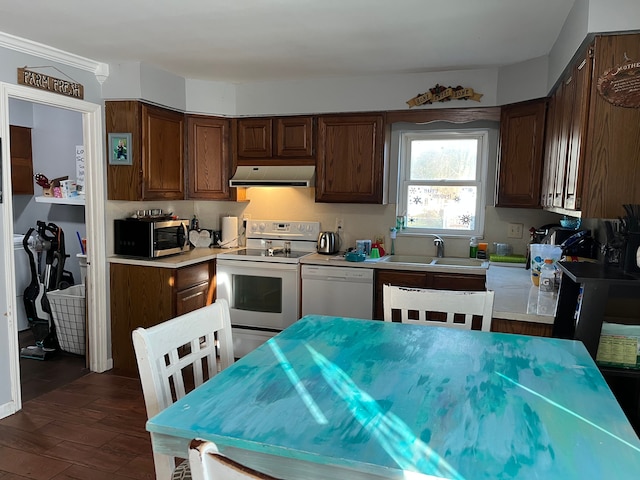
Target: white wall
54,136
206,97
590,16
11,60
523,81
364,93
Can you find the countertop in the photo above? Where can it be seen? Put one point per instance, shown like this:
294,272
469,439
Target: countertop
192,257
515,296
337,260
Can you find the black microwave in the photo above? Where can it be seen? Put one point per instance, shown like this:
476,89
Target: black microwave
150,238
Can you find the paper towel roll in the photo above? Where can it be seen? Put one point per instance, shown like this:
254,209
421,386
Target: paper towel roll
229,232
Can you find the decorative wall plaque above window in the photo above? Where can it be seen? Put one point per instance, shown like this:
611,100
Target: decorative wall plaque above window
620,85
440,93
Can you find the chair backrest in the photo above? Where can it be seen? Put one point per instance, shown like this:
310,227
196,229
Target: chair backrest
427,305
207,463
183,348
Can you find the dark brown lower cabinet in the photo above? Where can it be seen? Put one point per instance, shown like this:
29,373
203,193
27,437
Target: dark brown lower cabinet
143,296
440,281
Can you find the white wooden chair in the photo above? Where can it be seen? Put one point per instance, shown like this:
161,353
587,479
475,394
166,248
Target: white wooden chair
181,351
207,463
459,306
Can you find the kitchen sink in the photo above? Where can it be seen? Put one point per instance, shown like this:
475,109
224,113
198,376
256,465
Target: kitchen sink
408,259
460,262
453,262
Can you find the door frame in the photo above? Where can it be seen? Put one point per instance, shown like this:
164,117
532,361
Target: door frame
92,130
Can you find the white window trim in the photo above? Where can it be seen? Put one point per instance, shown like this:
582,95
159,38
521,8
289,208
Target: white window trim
480,182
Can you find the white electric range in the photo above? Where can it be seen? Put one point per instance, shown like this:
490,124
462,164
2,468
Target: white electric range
262,281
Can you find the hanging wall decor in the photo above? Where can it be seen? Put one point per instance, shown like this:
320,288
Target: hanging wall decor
620,85
440,93
49,83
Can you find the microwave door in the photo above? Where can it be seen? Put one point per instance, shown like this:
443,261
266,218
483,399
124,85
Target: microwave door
182,236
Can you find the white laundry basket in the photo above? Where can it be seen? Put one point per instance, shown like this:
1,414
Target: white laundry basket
68,310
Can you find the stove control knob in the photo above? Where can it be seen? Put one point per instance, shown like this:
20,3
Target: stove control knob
262,227
301,227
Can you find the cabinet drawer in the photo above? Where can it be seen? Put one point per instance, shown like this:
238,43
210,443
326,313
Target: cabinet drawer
191,299
189,276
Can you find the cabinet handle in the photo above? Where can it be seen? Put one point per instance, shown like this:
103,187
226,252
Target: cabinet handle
191,296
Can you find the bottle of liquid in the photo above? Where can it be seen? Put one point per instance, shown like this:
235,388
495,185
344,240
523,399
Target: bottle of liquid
195,225
547,295
473,247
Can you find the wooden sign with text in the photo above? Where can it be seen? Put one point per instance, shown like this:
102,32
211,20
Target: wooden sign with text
440,93
51,84
620,85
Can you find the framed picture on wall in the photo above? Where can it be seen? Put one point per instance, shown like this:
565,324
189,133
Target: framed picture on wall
119,149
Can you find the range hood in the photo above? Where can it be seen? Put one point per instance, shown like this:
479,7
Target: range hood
274,176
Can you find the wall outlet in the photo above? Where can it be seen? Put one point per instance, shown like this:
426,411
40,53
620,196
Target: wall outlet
515,230
339,224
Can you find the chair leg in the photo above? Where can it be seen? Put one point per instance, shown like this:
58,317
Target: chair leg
164,465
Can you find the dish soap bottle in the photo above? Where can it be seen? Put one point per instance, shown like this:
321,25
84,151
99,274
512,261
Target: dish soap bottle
473,247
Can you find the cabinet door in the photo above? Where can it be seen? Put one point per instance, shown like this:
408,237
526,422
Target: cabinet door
521,154
398,278
566,97
581,78
550,153
140,297
350,166
209,162
254,138
21,161
162,154
294,137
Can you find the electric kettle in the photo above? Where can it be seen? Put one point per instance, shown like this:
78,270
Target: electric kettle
328,243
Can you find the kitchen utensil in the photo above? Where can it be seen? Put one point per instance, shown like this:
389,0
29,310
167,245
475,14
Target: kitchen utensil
328,243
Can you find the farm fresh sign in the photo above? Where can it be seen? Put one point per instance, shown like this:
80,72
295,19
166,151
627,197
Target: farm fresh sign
51,84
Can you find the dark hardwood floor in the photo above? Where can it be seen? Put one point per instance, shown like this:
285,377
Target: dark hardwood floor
41,376
89,429
74,424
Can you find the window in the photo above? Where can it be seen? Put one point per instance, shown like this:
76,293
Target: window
442,174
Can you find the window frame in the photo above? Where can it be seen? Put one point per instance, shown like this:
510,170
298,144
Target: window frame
482,161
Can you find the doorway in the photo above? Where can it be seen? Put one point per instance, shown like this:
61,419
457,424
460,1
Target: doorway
96,277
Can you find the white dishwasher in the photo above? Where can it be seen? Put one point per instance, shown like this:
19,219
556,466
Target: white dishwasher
337,291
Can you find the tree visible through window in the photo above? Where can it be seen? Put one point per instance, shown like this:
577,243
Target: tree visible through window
441,181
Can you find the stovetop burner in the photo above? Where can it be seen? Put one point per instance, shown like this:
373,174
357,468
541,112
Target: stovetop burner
277,241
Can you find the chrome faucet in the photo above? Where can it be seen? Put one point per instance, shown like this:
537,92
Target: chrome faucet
438,241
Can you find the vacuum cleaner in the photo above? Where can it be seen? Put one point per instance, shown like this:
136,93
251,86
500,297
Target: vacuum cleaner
49,238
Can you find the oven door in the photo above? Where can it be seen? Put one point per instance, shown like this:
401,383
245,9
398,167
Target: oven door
261,295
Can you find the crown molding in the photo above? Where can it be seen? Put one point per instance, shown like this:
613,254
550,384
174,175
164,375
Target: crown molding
99,69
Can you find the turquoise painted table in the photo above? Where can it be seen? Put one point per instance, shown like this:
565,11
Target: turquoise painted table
370,399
